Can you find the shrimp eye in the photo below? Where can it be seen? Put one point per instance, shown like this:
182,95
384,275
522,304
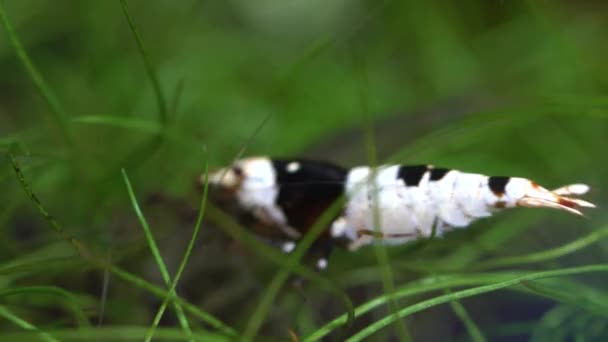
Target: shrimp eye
238,171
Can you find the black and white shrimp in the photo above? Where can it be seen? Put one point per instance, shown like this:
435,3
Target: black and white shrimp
390,204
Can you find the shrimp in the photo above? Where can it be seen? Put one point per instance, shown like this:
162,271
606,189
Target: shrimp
391,204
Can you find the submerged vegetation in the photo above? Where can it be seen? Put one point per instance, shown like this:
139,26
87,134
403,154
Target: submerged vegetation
109,110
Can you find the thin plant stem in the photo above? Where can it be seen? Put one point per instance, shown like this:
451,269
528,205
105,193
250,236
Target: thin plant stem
182,265
156,253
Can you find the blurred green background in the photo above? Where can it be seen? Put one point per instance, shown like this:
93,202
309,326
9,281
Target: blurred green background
495,87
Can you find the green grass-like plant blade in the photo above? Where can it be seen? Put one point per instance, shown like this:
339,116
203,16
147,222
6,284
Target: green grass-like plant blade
66,299
155,252
160,98
372,159
422,285
59,114
182,265
548,254
116,333
462,313
234,230
83,252
8,315
376,326
281,276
